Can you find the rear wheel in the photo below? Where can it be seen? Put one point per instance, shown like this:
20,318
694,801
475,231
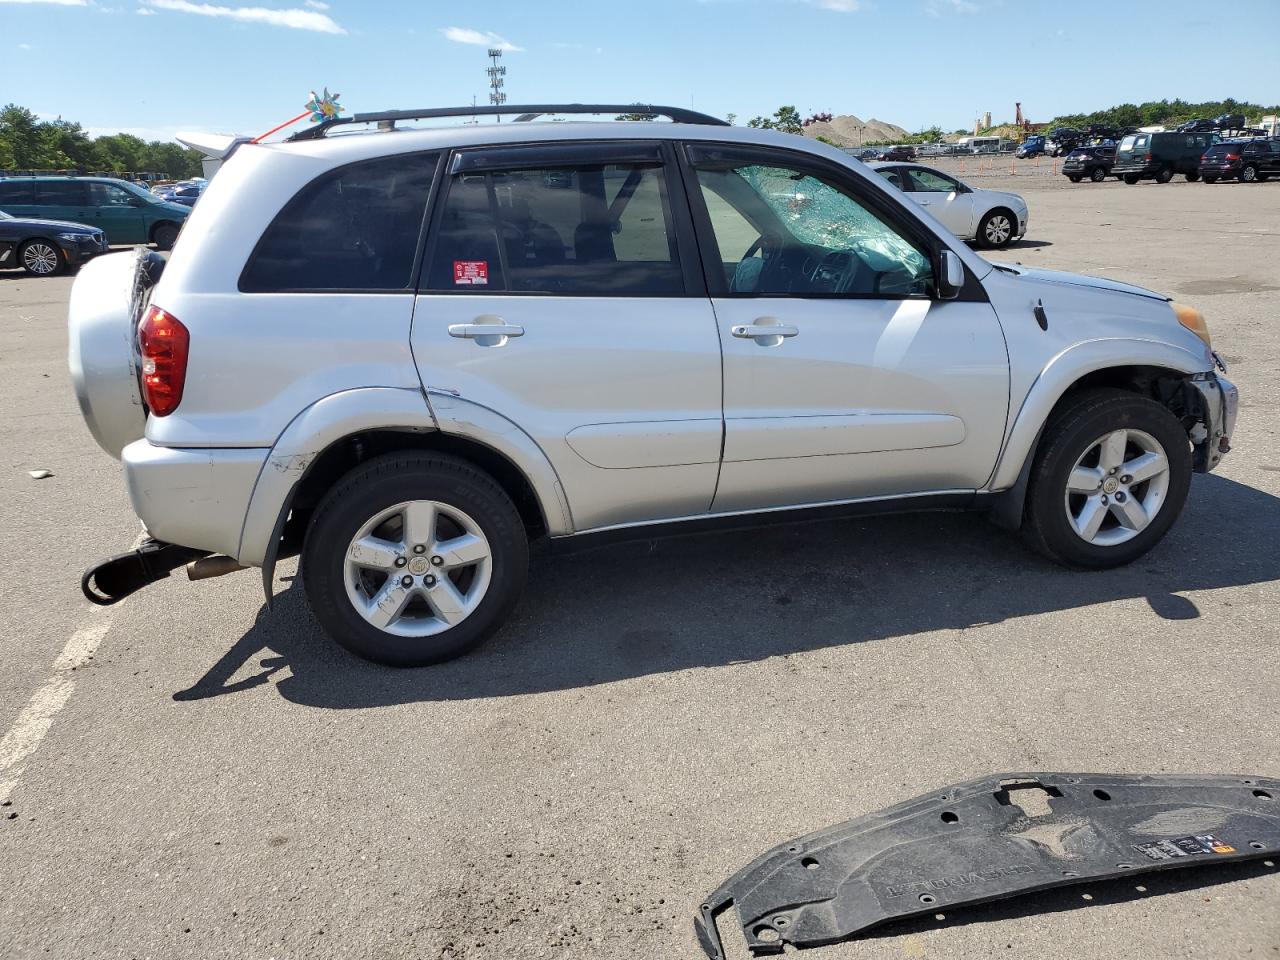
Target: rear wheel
1074,179
1109,480
1131,178
164,236
42,258
1193,177
1165,175
413,559
1098,175
1210,179
1248,174
997,229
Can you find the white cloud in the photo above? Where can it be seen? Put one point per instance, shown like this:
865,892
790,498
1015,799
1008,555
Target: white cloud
316,4
479,38
58,3
840,6
293,18
935,8
24,46
145,12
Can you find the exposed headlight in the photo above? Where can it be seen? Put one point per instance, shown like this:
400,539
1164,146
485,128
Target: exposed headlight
74,237
1193,320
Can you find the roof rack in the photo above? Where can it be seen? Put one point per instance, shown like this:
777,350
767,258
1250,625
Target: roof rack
387,119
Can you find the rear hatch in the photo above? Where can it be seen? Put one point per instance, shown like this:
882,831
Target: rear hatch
107,301
1218,153
1133,150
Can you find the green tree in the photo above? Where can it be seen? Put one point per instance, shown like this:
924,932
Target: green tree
19,136
785,119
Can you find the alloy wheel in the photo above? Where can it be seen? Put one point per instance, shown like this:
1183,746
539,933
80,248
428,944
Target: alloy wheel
998,229
41,258
418,568
1117,487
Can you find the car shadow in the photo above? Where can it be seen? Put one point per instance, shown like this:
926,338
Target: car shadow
712,600
1028,244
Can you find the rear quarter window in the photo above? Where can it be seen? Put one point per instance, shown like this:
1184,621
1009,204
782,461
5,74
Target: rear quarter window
353,229
16,192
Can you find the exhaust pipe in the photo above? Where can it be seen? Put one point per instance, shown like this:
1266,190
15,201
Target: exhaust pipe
208,567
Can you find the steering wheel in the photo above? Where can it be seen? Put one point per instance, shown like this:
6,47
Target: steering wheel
831,273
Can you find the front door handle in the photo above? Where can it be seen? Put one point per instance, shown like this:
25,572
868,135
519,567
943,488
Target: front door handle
766,332
486,331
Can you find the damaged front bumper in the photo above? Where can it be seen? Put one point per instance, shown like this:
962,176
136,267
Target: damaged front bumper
986,840
1219,402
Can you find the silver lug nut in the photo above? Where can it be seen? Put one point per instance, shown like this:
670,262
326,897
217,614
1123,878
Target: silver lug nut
429,580
406,581
1120,497
401,561
419,548
1126,479
1104,499
437,561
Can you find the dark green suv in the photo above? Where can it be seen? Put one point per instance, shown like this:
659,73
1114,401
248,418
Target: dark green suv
124,212
1158,156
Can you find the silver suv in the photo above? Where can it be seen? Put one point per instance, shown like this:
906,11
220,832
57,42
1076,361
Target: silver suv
406,353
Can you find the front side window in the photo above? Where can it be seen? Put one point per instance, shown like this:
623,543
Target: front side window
594,229
929,181
809,236
109,195
354,229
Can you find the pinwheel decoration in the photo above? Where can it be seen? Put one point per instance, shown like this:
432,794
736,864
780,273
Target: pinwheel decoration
319,109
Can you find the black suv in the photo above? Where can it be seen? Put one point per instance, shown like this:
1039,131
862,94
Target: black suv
1249,161
1229,121
1092,162
1158,156
899,154
1198,125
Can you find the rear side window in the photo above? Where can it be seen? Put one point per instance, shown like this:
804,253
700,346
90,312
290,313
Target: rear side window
60,193
354,229
16,192
594,229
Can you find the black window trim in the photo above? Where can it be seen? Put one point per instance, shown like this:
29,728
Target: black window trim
410,285
564,153
883,207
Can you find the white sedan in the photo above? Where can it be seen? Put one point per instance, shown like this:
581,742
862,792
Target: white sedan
989,217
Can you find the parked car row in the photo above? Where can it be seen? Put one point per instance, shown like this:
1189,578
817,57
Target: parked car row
55,222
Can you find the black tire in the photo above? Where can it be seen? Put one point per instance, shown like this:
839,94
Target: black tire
1098,175
1210,179
1073,429
995,244
1131,178
384,482
1193,177
1262,177
1248,173
164,236
42,258
1164,175
1074,179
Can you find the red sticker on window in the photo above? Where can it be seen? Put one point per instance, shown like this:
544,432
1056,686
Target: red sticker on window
471,272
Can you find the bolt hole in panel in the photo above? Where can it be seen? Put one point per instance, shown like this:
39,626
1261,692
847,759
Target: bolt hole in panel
1011,834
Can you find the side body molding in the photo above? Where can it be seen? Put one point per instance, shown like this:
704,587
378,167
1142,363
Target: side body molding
308,435
1066,368
463,418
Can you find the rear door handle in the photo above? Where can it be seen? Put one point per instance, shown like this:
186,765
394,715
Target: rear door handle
766,332
487,331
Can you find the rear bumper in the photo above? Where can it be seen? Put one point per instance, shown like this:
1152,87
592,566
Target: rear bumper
194,497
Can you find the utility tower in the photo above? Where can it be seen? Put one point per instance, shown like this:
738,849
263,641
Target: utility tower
496,73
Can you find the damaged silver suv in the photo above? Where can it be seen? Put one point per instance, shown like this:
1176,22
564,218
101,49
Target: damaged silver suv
407,352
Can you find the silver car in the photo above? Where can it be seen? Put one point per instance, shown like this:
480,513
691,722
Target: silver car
407,355
992,218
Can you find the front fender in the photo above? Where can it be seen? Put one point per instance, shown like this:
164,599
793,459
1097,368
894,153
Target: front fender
1065,369
309,434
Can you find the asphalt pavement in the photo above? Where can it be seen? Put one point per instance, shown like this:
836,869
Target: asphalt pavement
191,775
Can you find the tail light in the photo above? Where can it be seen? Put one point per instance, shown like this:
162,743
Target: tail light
164,343
1232,156
1149,158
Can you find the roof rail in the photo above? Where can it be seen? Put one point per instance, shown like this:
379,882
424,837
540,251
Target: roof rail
386,119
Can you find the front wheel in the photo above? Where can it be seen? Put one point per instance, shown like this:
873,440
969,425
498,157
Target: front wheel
1192,177
1131,178
413,559
1098,175
1074,179
1249,174
1165,175
1210,179
165,236
42,258
996,229
1109,480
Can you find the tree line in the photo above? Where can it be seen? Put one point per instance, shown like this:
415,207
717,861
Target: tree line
29,143
1162,113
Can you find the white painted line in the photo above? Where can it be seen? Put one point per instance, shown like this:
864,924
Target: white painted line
27,732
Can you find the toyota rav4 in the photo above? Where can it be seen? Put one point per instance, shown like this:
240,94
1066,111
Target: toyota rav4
406,355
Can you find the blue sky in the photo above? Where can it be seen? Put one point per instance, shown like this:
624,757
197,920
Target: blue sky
156,66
